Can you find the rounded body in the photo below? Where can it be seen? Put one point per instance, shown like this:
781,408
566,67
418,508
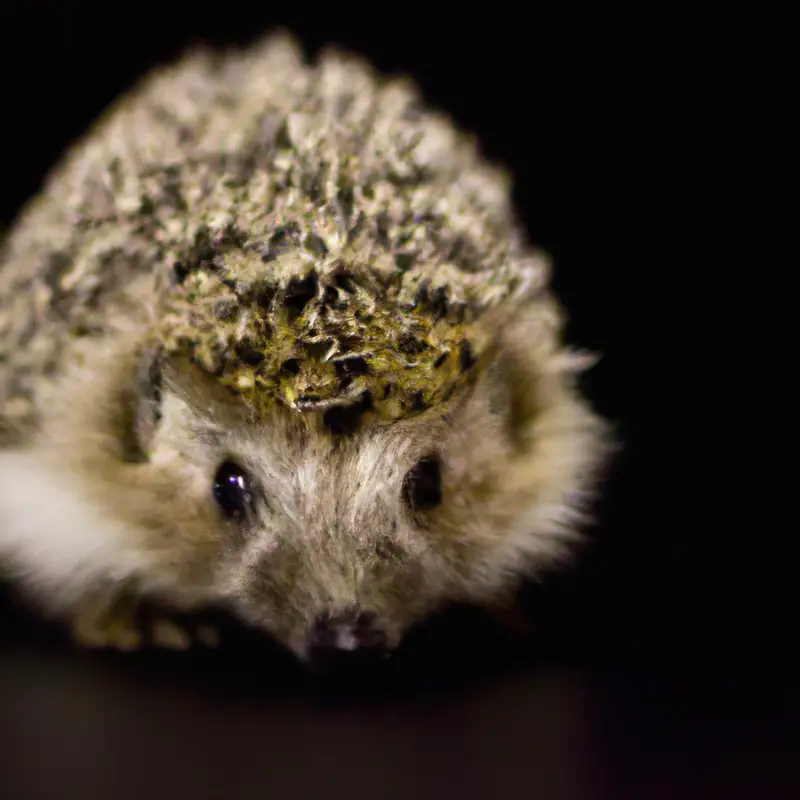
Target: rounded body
272,336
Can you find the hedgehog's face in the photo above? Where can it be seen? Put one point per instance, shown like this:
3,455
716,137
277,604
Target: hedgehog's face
339,543
332,546
335,544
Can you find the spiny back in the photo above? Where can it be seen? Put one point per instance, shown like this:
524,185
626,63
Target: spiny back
308,234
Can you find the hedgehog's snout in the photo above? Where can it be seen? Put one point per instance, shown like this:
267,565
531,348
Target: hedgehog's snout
344,641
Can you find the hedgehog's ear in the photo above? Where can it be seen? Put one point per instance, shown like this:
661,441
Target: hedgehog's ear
164,388
161,385
144,401
199,391
525,365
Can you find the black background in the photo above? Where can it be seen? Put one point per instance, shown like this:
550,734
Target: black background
662,665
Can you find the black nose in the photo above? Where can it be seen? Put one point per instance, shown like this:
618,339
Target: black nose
346,641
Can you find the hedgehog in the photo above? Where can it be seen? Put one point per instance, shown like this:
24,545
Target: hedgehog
273,338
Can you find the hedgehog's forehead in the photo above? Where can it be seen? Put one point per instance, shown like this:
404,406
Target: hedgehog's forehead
322,343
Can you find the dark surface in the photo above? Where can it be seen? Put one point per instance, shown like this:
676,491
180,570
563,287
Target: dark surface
488,719
662,666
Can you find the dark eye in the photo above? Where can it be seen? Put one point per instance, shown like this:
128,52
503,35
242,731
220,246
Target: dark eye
422,485
233,490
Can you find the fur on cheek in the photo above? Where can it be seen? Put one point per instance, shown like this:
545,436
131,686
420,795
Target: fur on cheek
521,496
54,541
